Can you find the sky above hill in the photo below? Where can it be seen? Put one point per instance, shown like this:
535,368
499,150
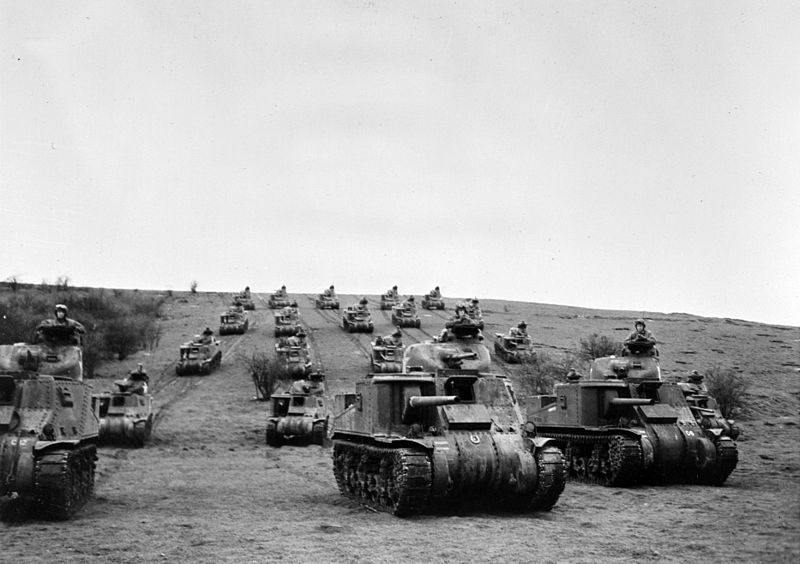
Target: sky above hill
623,155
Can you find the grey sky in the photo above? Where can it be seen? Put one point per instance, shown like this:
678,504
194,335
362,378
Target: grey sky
630,155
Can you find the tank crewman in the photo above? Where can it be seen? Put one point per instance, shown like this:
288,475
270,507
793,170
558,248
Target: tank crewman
207,334
246,292
394,340
461,311
641,335
298,339
521,330
474,306
281,292
61,320
435,293
393,292
409,304
140,379
329,292
362,304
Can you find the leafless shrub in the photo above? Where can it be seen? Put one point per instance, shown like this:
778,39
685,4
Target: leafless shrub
728,388
13,282
597,346
543,371
267,372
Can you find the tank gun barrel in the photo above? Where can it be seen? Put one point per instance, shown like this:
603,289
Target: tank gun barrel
631,401
429,401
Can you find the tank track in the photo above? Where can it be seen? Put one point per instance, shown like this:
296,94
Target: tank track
612,460
727,459
552,473
393,480
64,481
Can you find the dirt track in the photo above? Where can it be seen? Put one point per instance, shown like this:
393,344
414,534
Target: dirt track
207,488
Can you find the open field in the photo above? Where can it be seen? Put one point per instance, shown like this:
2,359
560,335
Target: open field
208,489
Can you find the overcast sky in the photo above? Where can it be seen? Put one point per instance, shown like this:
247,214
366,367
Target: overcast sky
626,155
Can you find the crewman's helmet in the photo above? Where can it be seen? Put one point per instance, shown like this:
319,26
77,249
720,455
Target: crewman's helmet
61,307
411,298
522,325
394,287
641,322
397,334
363,301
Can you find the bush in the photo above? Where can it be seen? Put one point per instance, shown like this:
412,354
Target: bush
193,287
267,372
597,346
728,388
541,373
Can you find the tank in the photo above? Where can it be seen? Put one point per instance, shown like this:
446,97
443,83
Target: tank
405,316
298,413
357,320
441,439
233,322
513,347
294,357
202,355
432,300
705,409
473,310
390,299
625,424
48,430
279,299
385,357
287,322
126,413
324,301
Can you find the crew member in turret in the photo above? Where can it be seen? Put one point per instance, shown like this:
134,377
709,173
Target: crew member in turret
640,338
61,323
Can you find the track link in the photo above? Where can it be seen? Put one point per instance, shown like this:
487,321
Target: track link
64,481
552,473
608,460
727,459
392,480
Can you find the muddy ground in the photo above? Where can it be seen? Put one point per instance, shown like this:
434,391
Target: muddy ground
208,489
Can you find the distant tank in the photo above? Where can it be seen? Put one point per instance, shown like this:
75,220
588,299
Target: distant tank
357,319
126,414
292,353
327,299
514,347
433,300
390,299
441,439
625,424
287,322
298,413
202,355
48,431
405,316
386,357
280,298
233,322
